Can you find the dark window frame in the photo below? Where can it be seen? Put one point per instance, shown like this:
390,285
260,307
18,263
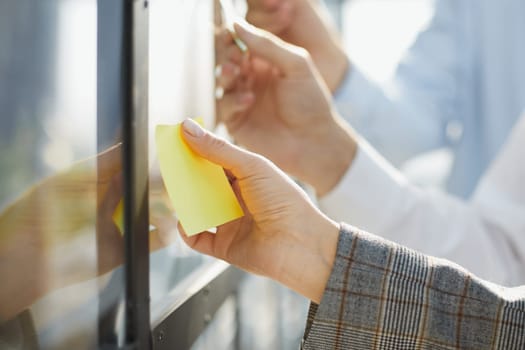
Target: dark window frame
122,90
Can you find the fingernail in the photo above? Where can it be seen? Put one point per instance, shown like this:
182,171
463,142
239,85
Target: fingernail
240,44
192,128
219,92
218,71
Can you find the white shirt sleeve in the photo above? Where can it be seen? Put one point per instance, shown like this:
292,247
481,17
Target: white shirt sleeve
486,235
409,115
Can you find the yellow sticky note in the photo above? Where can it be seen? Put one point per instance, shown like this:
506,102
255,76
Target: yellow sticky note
199,190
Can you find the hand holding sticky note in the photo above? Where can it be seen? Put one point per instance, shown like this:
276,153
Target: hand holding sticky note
199,190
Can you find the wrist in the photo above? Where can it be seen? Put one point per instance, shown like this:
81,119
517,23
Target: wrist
333,64
324,44
328,157
309,264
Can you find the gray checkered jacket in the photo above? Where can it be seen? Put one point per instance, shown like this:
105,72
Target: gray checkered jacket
381,295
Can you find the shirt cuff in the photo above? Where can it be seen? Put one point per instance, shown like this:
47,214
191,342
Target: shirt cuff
368,194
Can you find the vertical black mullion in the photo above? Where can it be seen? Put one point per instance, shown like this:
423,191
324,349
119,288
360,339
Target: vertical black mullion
109,132
122,113
134,84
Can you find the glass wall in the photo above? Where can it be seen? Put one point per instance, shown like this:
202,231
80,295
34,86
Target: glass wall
181,86
60,249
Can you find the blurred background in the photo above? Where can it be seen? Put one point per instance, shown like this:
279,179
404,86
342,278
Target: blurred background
390,27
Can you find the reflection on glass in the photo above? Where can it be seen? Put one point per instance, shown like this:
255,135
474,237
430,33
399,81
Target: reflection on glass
47,234
49,193
59,246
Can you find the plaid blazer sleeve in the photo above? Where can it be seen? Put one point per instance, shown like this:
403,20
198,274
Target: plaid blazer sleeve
384,296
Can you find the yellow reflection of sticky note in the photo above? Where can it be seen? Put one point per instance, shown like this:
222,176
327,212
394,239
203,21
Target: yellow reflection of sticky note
199,190
118,216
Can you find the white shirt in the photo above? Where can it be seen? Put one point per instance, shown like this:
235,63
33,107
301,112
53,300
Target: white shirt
461,85
485,234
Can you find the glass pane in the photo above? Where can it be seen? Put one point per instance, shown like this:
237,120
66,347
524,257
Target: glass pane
181,86
60,180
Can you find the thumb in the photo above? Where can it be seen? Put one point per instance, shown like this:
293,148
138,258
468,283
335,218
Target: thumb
218,150
285,56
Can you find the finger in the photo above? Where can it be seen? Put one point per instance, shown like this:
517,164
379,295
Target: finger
159,239
274,21
230,53
202,242
163,233
219,151
109,162
223,37
107,201
231,178
269,47
226,75
267,5
229,107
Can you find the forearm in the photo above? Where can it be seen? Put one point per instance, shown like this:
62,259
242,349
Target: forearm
328,52
312,28
326,158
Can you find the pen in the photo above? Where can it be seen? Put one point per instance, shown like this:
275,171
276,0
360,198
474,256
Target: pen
230,17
